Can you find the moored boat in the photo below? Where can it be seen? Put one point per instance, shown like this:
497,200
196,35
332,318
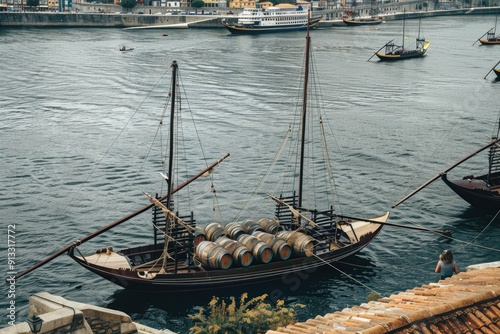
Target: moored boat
279,18
481,191
490,37
400,52
352,19
296,238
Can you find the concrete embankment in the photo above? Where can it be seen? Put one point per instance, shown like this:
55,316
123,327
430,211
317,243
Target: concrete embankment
95,20
108,20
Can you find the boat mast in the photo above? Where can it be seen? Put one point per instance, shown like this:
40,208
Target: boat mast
168,224
404,22
304,112
171,152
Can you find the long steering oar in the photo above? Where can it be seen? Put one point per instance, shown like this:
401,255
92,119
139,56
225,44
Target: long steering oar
446,232
379,50
491,143
491,69
116,223
481,37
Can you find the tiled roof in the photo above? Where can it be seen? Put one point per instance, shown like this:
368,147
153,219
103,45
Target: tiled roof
465,303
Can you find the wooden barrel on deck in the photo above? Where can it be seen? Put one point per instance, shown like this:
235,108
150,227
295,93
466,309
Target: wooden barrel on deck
234,230
260,250
213,255
270,225
242,256
302,244
198,237
213,231
251,226
281,249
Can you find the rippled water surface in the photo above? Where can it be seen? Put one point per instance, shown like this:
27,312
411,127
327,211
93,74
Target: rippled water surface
77,117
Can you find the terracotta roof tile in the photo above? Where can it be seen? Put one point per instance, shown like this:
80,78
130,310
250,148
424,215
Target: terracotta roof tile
465,303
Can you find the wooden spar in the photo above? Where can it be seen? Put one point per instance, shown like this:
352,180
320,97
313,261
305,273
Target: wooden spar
296,213
169,213
477,40
379,49
491,69
116,223
447,232
304,112
493,142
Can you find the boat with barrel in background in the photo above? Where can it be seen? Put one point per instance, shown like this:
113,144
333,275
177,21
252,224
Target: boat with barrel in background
400,52
490,37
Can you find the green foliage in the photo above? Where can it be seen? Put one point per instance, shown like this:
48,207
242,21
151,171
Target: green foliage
32,3
129,3
252,316
198,4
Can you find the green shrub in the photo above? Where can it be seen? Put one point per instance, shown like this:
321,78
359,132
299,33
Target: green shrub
252,316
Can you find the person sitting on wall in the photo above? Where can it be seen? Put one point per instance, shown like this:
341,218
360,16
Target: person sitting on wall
446,266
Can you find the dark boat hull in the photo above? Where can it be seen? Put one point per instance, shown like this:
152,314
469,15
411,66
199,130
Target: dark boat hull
401,56
242,30
475,191
198,279
362,22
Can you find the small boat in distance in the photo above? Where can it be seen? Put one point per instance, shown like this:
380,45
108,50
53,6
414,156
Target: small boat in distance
354,19
491,36
124,48
280,18
299,238
399,52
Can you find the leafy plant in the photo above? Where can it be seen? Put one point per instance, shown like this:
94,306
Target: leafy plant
250,316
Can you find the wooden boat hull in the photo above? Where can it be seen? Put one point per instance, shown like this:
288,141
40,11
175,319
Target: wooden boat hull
196,278
493,41
475,191
362,21
404,55
253,30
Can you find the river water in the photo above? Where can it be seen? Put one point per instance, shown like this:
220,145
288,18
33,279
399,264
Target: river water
68,94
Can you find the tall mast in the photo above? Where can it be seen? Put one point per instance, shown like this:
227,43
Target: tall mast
304,112
172,127
404,21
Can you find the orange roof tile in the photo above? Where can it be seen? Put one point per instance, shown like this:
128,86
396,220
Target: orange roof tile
468,302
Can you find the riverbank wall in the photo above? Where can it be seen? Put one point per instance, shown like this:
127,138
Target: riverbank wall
117,20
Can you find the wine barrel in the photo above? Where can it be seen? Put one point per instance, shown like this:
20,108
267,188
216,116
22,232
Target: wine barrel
260,250
198,237
234,230
242,256
269,225
213,231
251,226
213,255
281,249
302,244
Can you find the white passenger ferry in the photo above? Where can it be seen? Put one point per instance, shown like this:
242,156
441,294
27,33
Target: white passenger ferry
282,17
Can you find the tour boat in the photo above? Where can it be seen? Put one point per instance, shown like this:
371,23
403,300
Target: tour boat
279,18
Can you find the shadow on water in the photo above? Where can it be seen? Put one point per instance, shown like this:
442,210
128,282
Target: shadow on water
171,309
